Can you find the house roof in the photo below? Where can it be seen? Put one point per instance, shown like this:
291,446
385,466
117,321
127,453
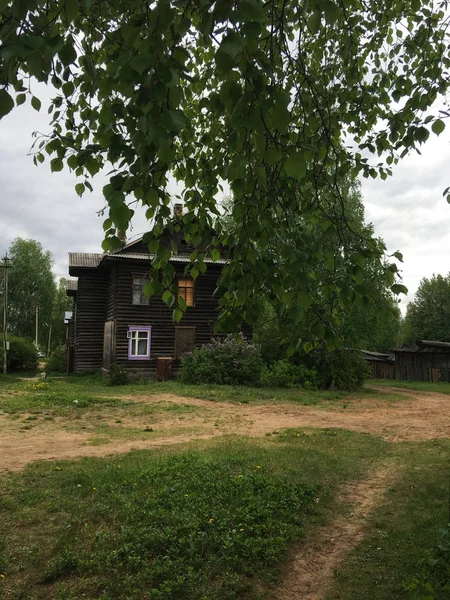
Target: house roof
377,356
422,346
84,259
174,258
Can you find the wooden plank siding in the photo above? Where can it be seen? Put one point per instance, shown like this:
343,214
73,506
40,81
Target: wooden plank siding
90,318
105,296
158,316
417,366
382,370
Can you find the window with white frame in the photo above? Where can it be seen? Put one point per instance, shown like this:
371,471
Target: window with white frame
139,342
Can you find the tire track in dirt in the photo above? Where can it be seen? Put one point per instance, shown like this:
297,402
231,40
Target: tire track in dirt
311,569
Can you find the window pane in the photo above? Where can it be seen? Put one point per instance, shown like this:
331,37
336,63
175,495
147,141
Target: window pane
133,347
138,296
186,289
142,347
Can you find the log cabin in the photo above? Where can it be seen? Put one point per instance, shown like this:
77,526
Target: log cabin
114,322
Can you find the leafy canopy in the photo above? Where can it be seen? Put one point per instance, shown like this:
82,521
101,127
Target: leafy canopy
428,315
279,99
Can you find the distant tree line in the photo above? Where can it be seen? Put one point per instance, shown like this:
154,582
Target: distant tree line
31,285
428,315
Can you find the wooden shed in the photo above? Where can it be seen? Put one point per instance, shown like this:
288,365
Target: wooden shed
426,360
382,365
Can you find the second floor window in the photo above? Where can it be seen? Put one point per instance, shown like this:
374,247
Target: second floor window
138,297
186,289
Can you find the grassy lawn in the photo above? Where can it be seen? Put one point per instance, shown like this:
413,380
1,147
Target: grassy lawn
62,394
420,386
404,530
214,522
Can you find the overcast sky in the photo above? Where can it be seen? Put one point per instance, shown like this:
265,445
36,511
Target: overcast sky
407,210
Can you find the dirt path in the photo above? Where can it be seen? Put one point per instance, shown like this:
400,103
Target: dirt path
313,564
420,416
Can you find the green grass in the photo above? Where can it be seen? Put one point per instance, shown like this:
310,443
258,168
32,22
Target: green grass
403,530
215,522
75,392
421,386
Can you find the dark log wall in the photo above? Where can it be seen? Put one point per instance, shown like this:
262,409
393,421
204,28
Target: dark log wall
158,316
90,319
382,370
415,366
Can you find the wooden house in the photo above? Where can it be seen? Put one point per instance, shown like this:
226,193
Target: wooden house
426,360
114,322
381,364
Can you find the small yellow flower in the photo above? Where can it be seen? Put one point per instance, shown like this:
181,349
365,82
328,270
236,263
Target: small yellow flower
94,489
186,495
2,576
240,476
211,521
57,468
258,467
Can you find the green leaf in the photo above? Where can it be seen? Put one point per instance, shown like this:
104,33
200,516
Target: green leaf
141,62
68,88
107,224
304,300
6,103
35,103
20,99
295,166
232,44
398,256
152,198
438,126
80,188
168,298
215,254
177,315
149,289
71,9
398,288
56,164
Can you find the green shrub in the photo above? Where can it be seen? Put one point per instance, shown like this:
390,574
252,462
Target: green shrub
57,361
434,581
232,361
284,373
118,375
341,369
22,355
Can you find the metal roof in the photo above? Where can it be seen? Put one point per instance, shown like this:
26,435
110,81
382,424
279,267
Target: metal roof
84,259
425,346
174,258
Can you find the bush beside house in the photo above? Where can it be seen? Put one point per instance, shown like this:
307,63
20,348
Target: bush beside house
22,355
57,361
232,361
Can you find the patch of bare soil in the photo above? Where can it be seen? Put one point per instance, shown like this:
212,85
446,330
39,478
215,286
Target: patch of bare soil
312,566
420,416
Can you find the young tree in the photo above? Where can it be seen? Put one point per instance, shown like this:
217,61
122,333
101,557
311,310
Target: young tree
62,303
31,285
428,315
265,96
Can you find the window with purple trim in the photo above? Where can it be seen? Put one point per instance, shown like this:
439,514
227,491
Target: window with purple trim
139,343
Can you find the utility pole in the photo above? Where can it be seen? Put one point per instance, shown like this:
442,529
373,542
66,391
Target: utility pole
49,340
5,267
37,326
